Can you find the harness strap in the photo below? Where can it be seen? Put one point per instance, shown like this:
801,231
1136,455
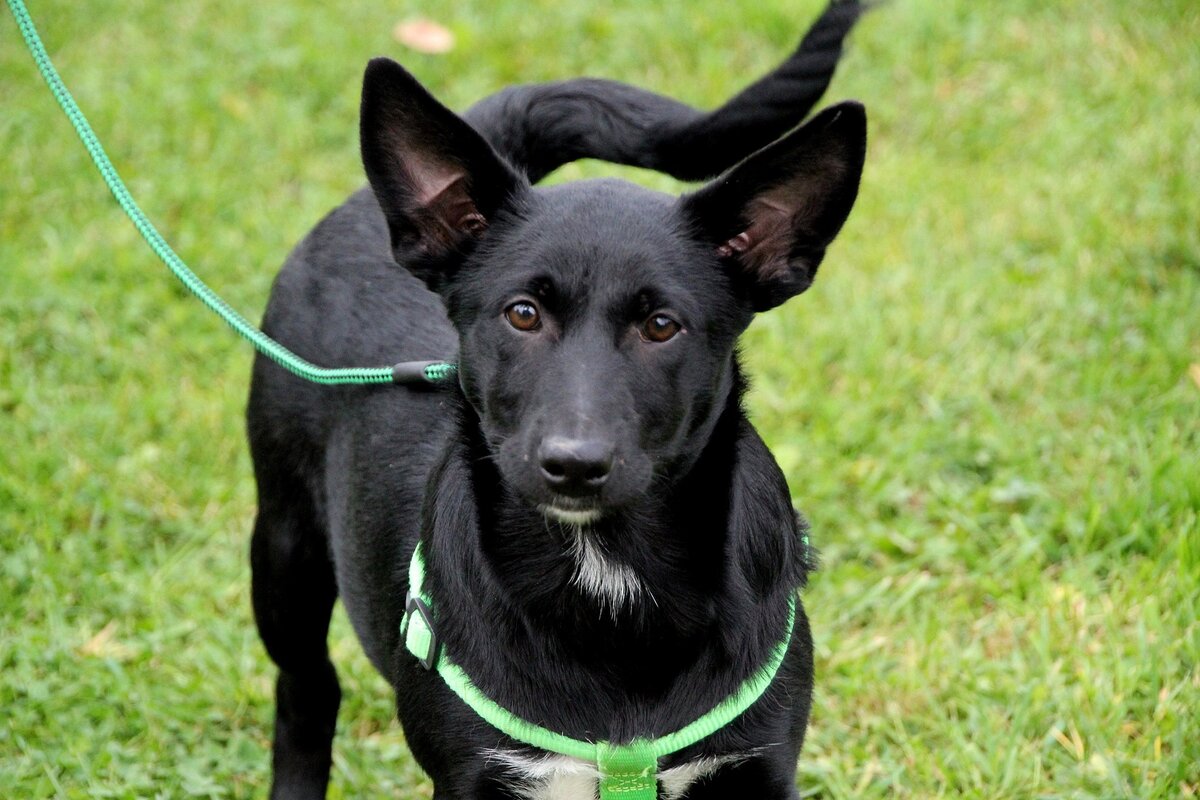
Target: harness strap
627,771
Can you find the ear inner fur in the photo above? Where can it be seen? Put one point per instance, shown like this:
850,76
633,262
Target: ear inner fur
448,215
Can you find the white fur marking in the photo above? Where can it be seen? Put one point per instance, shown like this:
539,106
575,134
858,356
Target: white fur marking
612,583
556,777
548,777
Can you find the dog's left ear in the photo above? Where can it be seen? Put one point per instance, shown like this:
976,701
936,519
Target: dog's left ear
771,217
437,179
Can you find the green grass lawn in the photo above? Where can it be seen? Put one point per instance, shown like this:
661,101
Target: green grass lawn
988,405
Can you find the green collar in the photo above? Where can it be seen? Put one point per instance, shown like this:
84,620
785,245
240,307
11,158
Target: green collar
627,771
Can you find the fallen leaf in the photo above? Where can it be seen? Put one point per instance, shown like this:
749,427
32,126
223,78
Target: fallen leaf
102,645
1194,371
424,36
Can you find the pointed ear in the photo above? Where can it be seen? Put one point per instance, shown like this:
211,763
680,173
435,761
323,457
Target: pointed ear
438,181
771,217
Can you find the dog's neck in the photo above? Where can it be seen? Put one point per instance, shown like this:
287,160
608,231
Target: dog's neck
702,584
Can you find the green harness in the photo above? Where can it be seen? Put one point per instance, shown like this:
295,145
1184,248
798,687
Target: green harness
627,771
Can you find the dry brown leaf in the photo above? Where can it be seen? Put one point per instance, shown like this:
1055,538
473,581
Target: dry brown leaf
424,36
102,644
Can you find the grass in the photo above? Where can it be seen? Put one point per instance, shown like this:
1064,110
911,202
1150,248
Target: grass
984,404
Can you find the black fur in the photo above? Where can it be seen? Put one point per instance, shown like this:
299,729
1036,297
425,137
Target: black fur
586,413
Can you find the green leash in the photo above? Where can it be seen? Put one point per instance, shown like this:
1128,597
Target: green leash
406,373
627,771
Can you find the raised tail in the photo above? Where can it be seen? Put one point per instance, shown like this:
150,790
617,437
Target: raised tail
540,127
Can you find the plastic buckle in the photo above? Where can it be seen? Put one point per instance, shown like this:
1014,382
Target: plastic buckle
419,636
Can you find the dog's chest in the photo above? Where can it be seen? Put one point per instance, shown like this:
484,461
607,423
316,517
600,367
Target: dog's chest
555,777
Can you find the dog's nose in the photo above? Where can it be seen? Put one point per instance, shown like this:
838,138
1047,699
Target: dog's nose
575,466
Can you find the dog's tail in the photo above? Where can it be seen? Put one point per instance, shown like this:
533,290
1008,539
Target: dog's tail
540,127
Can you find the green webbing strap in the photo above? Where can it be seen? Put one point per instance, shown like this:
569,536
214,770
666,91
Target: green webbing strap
627,771
409,372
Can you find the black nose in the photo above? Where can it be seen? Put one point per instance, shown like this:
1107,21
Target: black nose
575,466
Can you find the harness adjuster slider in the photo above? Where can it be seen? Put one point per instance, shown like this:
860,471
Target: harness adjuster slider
419,635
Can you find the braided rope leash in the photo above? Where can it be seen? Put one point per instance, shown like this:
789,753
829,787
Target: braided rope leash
407,372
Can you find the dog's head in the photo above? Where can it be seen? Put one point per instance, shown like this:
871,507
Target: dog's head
598,320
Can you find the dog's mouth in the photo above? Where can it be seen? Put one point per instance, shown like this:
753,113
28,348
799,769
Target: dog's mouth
571,511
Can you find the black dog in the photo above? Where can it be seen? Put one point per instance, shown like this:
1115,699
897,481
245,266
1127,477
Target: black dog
609,547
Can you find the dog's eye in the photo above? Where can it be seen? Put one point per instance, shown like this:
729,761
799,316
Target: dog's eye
660,328
523,316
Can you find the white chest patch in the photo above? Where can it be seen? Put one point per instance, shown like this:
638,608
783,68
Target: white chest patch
555,777
612,583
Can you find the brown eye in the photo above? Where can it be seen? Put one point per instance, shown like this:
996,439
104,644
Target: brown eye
660,328
523,316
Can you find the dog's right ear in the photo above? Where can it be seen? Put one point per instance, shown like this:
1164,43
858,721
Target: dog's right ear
438,181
